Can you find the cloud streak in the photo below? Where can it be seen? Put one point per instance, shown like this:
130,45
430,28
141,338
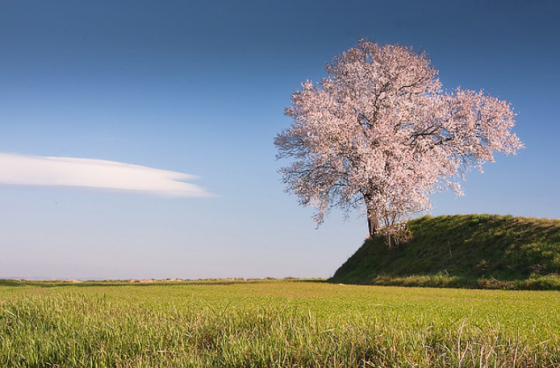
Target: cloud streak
84,172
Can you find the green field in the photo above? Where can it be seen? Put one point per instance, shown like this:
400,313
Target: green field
273,323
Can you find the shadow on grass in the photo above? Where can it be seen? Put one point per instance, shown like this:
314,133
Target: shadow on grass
548,282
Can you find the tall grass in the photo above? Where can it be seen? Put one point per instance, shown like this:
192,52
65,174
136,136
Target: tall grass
274,324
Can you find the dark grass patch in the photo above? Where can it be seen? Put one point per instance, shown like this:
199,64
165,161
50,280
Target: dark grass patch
470,251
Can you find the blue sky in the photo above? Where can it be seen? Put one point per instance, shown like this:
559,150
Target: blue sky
186,97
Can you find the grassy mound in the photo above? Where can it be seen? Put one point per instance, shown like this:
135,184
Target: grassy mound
474,251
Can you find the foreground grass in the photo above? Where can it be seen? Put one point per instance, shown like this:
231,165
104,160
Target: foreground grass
274,324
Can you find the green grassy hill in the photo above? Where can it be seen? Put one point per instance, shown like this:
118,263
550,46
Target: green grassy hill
477,251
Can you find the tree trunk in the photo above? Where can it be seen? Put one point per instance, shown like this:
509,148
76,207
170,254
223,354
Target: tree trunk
372,218
373,225
373,222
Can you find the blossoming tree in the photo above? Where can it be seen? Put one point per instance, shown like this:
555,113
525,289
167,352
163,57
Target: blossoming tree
379,133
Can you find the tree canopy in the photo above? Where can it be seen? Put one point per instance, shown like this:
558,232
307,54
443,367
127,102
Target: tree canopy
379,133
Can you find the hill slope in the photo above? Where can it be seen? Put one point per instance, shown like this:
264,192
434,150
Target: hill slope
463,251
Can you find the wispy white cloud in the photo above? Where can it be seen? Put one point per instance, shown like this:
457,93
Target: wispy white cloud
18,169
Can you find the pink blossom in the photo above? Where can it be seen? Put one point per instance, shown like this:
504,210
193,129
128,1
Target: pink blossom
380,134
